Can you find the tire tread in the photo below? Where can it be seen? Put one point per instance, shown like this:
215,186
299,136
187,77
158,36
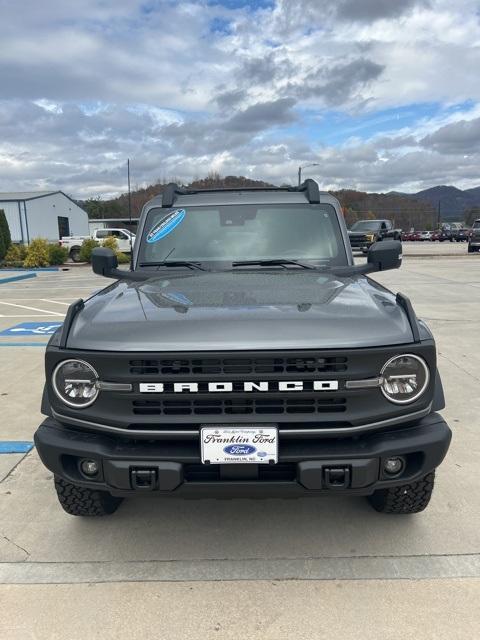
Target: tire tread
406,498
82,501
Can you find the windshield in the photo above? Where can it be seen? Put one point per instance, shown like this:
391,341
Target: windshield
365,225
476,224
243,232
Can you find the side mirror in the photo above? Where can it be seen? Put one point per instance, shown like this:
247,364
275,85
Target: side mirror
104,262
384,255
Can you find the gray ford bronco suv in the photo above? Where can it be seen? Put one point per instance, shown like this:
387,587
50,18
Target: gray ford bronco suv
243,354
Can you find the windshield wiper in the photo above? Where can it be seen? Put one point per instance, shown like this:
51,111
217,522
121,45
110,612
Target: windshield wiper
174,263
275,262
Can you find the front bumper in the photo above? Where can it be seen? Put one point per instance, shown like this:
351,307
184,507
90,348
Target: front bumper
305,467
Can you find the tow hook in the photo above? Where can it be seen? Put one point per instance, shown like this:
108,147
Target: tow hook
143,479
336,477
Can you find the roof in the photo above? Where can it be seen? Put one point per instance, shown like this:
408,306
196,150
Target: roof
24,195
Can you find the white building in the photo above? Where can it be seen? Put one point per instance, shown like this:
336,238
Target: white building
43,214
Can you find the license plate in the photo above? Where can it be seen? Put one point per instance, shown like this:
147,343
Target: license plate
239,445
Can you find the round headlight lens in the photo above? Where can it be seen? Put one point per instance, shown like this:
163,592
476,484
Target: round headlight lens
405,378
75,383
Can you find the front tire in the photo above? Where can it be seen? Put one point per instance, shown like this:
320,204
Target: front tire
407,498
75,254
81,501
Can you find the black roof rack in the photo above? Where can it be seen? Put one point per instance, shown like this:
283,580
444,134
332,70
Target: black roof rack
172,190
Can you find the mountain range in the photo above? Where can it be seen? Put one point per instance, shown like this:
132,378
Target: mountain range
453,202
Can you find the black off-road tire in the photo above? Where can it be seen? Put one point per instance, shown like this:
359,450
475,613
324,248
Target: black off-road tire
80,501
407,498
75,254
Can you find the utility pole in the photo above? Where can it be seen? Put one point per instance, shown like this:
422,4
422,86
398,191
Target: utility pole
313,164
439,216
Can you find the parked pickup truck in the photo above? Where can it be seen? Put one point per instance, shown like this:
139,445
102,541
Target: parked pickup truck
474,238
364,233
124,237
244,354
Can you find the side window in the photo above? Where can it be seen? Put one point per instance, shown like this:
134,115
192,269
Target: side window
384,226
102,233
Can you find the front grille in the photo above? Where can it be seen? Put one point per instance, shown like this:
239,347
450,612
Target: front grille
238,406
231,366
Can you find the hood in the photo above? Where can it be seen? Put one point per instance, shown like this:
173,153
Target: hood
240,310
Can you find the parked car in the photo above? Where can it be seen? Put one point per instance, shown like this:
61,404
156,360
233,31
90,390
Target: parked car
364,233
425,235
461,235
124,237
444,235
474,237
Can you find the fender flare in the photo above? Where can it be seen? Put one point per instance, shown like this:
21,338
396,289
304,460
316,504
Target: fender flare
438,402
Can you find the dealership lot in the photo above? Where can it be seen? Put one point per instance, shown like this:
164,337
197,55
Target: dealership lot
196,544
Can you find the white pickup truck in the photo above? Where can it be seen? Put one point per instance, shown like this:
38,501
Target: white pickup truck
124,237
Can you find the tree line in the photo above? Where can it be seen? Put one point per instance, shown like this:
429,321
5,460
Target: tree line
406,212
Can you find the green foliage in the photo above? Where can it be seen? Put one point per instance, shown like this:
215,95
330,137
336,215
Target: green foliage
15,255
88,245
122,258
98,208
5,238
110,243
37,254
57,254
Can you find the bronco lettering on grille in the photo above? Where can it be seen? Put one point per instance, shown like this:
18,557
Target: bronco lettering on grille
230,387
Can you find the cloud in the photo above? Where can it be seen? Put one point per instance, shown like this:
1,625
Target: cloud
459,137
337,84
262,116
239,86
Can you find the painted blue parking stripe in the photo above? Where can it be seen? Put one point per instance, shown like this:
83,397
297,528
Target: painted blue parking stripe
24,276
33,269
15,446
23,344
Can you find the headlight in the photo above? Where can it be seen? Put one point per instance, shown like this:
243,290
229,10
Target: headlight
405,378
75,383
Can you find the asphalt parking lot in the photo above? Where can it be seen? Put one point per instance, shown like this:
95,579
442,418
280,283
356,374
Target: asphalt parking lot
307,568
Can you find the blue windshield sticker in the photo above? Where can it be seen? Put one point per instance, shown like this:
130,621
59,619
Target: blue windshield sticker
177,298
166,225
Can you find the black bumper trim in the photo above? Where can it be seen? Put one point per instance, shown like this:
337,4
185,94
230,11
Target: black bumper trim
423,446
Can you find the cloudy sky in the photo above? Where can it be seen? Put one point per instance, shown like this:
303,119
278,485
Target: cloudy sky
382,94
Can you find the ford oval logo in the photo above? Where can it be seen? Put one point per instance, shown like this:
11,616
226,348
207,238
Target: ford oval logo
239,449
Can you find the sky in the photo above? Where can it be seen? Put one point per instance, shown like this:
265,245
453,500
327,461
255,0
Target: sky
380,94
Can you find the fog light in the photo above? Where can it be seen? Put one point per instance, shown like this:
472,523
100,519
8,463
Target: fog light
89,467
393,466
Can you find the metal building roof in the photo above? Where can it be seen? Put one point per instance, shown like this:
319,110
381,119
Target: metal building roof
24,195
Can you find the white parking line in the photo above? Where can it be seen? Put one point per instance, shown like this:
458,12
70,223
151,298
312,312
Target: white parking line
23,306
67,304
35,315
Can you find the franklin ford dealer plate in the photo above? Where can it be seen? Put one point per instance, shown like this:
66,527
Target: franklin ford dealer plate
234,445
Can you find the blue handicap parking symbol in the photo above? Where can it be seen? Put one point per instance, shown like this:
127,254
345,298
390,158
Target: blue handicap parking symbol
32,329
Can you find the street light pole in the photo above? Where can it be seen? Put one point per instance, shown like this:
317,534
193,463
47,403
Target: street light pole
313,164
